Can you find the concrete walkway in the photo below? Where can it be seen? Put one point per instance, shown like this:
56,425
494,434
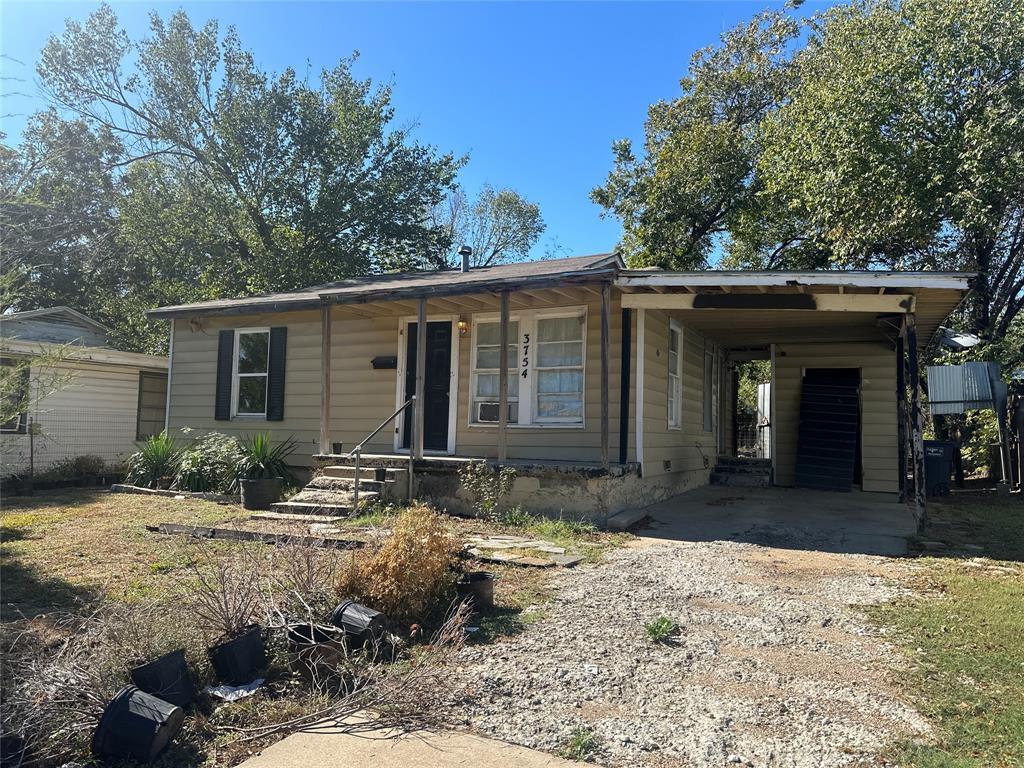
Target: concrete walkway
790,518
325,747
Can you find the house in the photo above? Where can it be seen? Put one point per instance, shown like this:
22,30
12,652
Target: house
618,387
87,398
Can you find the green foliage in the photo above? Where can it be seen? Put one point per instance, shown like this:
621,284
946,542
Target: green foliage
157,458
486,486
260,458
86,465
878,133
695,180
660,629
209,463
582,745
751,374
172,169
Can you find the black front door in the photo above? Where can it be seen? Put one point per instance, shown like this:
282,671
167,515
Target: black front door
436,383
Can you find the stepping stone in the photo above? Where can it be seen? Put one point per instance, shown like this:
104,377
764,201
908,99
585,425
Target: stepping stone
566,561
552,550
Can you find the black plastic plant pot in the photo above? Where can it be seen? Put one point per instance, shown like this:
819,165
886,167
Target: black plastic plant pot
260,493
478,588
239,660
136,726
315,651
166,678
361,624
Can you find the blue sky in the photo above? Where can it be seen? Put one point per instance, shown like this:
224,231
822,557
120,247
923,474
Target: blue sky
535,92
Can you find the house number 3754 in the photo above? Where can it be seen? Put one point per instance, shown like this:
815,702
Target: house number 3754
526,356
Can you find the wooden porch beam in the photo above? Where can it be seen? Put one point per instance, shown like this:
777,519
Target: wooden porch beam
901,414
916,424
503,378
606,309
419,412
823,302
325,378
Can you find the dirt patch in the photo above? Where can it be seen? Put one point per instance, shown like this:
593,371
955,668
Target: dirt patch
773,663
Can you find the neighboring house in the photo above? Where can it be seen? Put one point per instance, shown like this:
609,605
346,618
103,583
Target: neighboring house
108,399
620,383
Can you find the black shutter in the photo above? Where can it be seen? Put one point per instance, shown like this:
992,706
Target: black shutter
275,374
225,365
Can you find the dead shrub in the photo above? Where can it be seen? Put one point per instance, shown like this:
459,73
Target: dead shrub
409,571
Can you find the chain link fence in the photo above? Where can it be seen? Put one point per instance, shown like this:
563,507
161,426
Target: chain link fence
68,443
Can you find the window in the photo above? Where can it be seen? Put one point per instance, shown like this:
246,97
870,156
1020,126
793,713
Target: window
252,352
560,369
709,388
14,391
675,376
486,370
546,368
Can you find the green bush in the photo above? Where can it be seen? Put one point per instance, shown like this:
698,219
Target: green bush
209,464
487,487
156,458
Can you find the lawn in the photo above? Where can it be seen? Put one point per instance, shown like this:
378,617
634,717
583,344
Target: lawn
962,635
60,549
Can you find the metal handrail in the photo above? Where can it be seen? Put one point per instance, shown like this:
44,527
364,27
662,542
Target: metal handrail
358,452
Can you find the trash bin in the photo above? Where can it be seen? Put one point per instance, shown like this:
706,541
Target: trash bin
938,466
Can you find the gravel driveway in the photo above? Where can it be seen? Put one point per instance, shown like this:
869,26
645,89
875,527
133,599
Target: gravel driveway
772,666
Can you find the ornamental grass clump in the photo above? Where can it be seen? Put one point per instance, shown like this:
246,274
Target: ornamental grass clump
156,461
410,572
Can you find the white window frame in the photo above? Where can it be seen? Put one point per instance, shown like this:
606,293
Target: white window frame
527,320
513,368
674,388
235,375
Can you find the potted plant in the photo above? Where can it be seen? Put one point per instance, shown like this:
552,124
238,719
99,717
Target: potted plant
155,463
226,600
263,470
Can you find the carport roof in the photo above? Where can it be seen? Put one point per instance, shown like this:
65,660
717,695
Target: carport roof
751,308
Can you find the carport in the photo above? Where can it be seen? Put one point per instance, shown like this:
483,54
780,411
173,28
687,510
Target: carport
845,410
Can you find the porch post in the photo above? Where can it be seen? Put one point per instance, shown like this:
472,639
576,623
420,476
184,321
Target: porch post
901,412
606,308
916,424
419,407
325,376
503,379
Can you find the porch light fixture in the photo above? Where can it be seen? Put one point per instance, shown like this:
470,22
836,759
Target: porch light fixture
462,325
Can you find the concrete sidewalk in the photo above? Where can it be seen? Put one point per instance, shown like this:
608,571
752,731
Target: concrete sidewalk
326,747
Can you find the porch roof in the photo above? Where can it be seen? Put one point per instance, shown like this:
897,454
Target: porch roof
373,288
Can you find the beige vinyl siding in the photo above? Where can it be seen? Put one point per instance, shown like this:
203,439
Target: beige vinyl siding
559,443
96,412
678,447
877,364
361,397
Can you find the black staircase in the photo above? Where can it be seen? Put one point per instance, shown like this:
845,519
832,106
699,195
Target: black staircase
827,444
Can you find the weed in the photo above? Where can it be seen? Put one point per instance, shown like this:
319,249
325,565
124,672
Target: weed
406,575
661,629
582,745
486,486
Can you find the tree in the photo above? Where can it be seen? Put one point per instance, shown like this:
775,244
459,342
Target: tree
695,183
281,182
902,143
893,137
500,226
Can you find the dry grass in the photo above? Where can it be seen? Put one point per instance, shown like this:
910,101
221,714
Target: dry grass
63,548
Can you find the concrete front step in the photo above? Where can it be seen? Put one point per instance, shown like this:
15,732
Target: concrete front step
740,479
309,508
293,517
738,461
736,469
348,471
347,484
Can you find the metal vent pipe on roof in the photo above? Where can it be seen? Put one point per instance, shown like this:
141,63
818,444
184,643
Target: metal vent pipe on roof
465,252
